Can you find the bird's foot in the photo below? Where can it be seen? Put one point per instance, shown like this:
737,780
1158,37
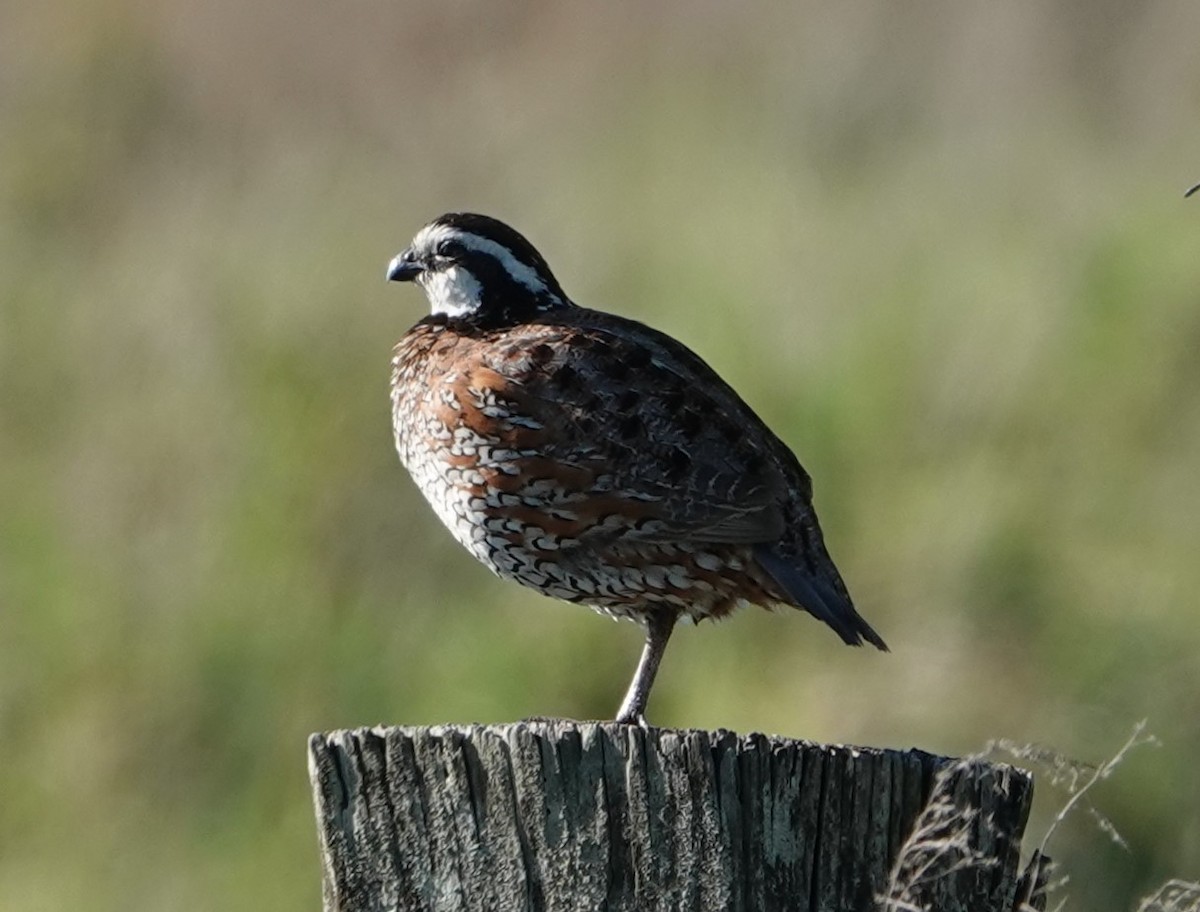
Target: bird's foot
633,718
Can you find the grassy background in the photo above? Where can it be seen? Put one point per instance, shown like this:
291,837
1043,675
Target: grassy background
940,246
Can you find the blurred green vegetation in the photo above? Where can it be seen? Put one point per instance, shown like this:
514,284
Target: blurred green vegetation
940,247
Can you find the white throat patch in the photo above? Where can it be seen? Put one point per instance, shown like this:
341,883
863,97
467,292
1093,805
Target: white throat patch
452,291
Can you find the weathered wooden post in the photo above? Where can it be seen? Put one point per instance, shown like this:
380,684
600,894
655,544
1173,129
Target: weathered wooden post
560,815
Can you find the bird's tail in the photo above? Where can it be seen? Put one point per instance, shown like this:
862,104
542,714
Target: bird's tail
821,593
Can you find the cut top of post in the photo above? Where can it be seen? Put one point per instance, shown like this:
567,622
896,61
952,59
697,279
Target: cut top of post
565,815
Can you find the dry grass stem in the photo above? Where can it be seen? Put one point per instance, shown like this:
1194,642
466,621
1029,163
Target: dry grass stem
939,844
1078,779
1173,896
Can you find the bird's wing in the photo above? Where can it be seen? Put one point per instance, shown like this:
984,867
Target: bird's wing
621,427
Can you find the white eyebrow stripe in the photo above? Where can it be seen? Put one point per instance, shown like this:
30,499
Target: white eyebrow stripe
431,236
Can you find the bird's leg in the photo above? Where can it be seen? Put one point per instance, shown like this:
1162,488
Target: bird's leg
659,625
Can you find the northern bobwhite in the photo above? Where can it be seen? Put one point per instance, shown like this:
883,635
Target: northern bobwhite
592,458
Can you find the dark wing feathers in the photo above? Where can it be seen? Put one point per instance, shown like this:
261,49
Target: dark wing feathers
816,594
661,435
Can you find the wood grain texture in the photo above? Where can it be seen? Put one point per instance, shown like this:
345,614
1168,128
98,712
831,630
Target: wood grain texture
558,815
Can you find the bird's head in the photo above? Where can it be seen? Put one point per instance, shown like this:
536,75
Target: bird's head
475,266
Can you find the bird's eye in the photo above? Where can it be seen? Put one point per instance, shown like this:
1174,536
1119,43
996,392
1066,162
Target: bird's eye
446,253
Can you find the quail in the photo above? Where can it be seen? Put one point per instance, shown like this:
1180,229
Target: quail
592,458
